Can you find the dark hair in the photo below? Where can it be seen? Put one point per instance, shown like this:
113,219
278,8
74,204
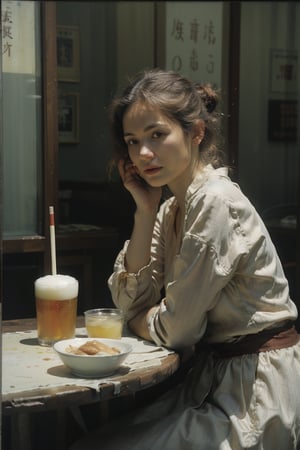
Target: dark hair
180,99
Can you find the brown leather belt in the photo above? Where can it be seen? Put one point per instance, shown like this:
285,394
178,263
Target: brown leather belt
264,341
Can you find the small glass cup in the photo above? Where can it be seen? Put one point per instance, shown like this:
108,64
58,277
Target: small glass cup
56,308
104,323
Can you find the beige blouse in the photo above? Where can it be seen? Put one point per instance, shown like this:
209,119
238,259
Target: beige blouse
221,277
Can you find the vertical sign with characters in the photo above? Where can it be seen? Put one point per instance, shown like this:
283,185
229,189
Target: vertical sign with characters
194,40
18,36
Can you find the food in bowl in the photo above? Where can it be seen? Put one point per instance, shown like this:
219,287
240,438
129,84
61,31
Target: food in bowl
93,348
95,365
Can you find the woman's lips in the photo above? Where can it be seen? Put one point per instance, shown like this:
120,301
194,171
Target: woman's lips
152,170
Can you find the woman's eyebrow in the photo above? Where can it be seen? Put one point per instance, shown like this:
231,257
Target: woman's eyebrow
147,128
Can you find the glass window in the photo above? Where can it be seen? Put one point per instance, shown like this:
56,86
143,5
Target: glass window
22,137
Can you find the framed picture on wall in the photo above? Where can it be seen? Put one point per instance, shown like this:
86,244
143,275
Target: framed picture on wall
68,118
68,54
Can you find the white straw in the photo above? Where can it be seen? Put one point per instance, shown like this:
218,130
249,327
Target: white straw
52,239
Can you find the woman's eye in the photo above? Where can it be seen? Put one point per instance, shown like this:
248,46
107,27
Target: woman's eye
130,142
157,135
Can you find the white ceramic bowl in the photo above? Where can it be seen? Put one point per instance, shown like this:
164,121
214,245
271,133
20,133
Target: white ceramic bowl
92,366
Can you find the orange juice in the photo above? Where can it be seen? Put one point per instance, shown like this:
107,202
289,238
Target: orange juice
105,323
56,308
107,328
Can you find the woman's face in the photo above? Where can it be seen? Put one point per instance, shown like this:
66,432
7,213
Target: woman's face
157,146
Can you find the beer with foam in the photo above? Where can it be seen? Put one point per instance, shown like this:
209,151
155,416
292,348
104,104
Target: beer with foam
56,307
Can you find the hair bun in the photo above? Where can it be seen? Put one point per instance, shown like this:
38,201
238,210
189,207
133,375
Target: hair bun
210,104
208,96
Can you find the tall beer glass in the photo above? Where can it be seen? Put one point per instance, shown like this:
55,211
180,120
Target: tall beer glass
56,308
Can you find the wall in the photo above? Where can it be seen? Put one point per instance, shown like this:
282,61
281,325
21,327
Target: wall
268,170
135,38
116,41
87,160
123,35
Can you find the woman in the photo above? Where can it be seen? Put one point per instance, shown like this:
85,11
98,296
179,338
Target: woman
200,271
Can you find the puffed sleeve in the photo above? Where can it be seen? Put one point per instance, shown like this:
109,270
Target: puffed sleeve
212,246
134,292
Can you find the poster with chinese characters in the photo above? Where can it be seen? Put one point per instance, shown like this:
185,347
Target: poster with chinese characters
284,71
194,40
18,36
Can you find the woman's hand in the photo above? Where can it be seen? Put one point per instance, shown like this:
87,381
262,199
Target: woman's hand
145,196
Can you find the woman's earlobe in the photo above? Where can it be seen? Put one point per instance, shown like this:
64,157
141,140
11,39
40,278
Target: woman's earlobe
199,132
197,140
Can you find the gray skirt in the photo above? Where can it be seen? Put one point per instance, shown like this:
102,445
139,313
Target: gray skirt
244,402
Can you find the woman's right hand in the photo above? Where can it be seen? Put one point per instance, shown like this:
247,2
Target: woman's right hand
146,197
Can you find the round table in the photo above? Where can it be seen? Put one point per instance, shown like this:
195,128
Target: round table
19,406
